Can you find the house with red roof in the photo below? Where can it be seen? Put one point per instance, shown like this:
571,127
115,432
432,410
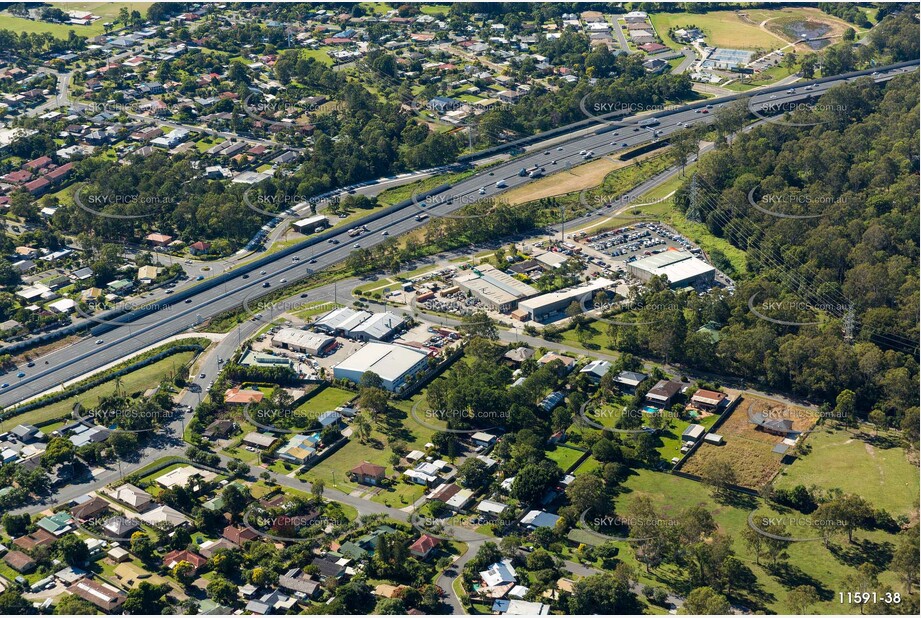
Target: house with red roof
423,546
184,555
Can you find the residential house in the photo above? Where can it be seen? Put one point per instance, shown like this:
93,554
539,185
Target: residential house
367,473
662,394
423,547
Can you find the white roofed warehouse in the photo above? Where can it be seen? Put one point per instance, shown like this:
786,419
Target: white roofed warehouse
379,327
494,288
544,306
679,267
393,363
302,341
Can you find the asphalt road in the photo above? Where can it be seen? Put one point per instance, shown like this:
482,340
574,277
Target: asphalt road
91,352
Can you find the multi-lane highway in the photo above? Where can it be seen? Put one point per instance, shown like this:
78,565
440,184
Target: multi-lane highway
93,352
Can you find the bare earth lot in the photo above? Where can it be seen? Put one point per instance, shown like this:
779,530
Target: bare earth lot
746,449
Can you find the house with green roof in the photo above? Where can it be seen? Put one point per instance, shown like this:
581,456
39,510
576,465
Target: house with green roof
56,524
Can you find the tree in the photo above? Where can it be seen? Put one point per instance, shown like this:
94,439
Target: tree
222,591
71,604
147,598
184,572
60,450
479,324
374,400
235,499
843,514
801,598
705,601
16,525
845,406
317,488
905,558
390,607
719,474
602,594
474,474
532,480
586,493
12,603
72,550
362,427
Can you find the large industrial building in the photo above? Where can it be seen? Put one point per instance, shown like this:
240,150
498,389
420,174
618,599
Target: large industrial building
393,363
311,224
544,306
361,325
494,288
679,267
302,341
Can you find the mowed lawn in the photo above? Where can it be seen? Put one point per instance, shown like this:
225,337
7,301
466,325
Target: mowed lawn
721,28
884,476
133,383
564,456
325,399
399,425
809,562
107,11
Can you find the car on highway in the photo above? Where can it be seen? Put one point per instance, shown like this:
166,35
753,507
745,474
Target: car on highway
547,154
99,342
169,291
304,295
582,152
560,149
188,300
200,278
246,276
266,284
312,262
523,172
385,233
482,190
623,145
295,259
261,272
356,246
21,374
4,385
335,241
283,281
30,364
501,184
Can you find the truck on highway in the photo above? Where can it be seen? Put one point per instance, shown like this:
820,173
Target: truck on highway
649,122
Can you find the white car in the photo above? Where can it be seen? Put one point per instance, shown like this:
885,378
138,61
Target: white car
99,342
385,233
356,246
283,281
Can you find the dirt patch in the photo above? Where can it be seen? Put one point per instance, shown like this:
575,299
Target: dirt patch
748,447
38,352
585,176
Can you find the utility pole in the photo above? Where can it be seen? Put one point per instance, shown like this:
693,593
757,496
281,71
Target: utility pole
849,324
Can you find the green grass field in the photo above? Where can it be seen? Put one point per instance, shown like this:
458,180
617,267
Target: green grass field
838,458
721,28
107,11
808,562
134,383
325,399
564,456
